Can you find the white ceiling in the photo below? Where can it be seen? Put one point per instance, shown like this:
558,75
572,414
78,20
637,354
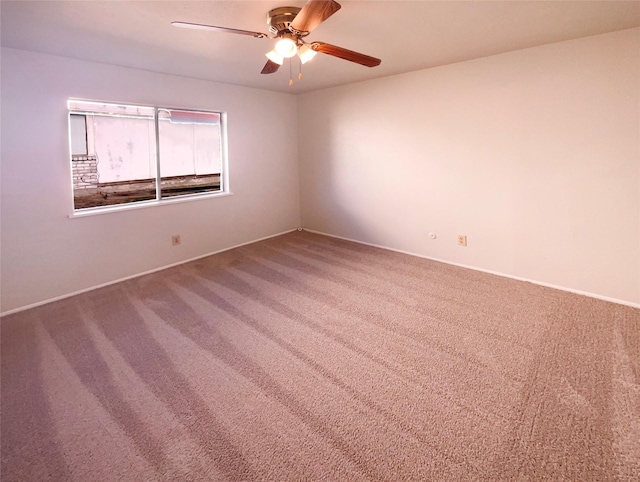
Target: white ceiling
406,35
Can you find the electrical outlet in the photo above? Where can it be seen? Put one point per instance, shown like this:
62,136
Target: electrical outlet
462,240
175,240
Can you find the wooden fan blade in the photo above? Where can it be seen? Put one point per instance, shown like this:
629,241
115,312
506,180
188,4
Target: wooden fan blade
345,54
313,14
270,67
219,29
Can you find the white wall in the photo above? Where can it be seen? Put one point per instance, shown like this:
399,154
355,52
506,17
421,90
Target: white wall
534,155
45,254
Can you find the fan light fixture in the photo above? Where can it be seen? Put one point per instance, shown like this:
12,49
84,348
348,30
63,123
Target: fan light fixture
275,57
286,47
306,53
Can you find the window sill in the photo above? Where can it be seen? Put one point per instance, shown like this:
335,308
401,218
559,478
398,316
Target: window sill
80,213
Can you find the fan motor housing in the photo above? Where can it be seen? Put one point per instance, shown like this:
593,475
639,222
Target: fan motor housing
280,18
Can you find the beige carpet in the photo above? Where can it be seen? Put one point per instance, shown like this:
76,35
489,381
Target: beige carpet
309,358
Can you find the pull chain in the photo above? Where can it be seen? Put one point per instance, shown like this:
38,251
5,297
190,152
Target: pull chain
290,75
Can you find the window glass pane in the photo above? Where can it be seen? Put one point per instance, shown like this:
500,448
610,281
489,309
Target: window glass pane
190,152
78,130
120,165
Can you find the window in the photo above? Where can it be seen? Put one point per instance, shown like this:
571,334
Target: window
126,154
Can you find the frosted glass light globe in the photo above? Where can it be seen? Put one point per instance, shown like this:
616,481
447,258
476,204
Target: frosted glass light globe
286,47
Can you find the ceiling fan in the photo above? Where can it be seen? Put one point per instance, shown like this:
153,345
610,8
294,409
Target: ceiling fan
290,25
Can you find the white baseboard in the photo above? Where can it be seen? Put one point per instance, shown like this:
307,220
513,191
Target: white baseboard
137,275
504,275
